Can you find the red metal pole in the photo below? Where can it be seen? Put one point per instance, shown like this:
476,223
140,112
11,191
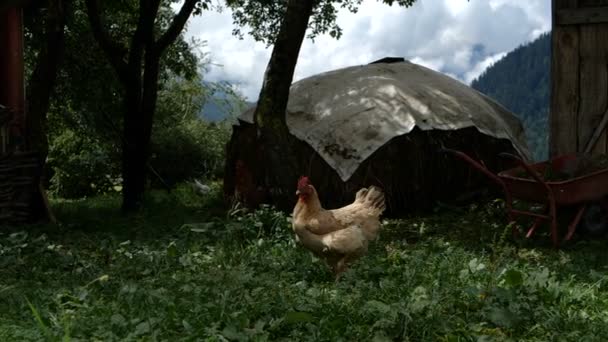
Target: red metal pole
12,85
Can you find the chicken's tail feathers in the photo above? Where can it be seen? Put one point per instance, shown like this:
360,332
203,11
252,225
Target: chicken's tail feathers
372,197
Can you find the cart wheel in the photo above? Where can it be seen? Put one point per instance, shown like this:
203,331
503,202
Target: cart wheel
594,222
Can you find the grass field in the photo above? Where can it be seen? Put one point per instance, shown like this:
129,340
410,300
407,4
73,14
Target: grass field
185,270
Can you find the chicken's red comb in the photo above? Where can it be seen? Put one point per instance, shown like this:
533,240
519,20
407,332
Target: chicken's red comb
303,181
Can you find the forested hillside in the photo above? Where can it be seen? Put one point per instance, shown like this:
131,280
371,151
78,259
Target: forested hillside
520,82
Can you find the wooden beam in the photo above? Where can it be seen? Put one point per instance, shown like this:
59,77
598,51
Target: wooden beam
571,3
593,85
564,90
592,3
562,4
586,15
12,90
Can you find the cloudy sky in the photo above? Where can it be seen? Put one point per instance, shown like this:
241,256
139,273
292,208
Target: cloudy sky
456,37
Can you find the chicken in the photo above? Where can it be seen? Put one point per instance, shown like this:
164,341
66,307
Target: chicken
339,236
200,188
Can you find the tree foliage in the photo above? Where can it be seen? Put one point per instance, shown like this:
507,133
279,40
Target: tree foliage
86,108
264,17
87,162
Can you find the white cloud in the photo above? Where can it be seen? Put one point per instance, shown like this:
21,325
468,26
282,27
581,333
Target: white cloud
457,37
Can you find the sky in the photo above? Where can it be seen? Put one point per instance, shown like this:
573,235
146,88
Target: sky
455,37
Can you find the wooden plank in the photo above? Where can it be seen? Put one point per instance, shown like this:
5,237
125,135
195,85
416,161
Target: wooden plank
559,5
564,90
571,3
593,84
592,3
584,15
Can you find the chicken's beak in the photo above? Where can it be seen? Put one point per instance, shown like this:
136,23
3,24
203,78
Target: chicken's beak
298,192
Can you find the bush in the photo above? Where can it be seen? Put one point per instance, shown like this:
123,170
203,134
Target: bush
81,166
85,150
191,149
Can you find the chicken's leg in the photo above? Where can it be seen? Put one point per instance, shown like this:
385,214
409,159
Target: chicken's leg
340,268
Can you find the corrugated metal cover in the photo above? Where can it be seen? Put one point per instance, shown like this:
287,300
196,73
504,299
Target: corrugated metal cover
348,114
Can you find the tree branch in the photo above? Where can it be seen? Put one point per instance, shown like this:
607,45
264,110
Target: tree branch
144,32
176,27
148,9
115,52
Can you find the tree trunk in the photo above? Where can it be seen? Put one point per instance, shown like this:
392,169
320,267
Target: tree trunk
42,81
138,120
133,182
278,168
274,95
39,90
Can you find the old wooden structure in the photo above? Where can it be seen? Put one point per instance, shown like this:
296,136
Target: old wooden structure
22,198
579,71
380,124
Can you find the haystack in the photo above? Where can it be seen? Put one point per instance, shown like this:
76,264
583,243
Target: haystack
380,124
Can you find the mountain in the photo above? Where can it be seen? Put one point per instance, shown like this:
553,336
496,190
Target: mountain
520,81
219,108
222,103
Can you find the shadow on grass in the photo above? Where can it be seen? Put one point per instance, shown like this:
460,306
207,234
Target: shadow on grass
163,214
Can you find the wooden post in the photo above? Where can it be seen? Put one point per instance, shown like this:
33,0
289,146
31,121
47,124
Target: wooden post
564,84
12,87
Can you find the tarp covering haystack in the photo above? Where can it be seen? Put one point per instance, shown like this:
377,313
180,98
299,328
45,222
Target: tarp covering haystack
381,124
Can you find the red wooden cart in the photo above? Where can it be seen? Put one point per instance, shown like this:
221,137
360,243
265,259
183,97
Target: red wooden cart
576,191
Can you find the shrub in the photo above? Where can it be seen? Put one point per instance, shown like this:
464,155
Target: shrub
84,151
81,166
191,149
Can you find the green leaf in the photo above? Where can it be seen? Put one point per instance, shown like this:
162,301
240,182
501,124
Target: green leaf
186,325
199,227
476,266
118,319
514,278
378,306
380,336
172,249
298,317
502,317
142,328
232,333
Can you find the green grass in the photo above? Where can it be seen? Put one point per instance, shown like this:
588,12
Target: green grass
184,270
